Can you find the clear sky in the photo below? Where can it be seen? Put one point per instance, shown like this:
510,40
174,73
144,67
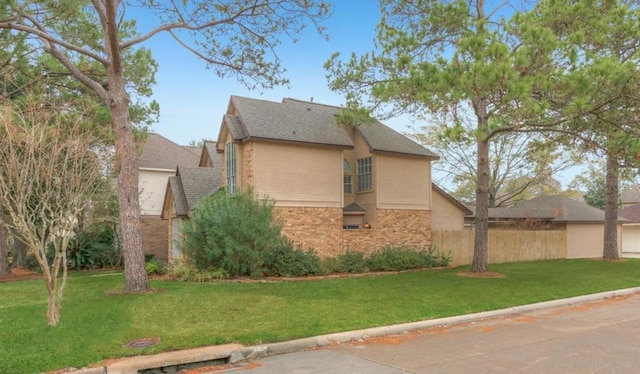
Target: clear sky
193,99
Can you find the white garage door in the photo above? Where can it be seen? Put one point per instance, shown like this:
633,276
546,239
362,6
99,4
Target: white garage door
631,240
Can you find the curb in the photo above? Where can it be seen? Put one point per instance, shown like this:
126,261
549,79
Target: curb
259,351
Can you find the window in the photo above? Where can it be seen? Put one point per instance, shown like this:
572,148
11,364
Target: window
230,151
363,168
348,185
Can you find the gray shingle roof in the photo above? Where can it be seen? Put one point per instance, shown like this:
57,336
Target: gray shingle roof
631,214
179,200
159,152
209,151
630,195
555,208
353,208
190,184
308,122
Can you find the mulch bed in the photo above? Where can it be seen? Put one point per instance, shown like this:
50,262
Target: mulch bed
19,274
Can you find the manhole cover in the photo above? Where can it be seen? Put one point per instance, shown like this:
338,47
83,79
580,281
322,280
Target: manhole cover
143,343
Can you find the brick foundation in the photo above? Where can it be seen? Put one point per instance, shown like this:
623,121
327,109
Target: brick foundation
321,229
317,228
154,236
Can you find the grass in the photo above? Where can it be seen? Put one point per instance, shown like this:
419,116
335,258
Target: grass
97,321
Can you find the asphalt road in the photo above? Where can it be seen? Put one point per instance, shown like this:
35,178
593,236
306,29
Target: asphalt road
594,337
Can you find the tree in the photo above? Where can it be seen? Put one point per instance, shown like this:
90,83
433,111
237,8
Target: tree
454,62
50,172
593,185
5,269
522,165
235,37
598,75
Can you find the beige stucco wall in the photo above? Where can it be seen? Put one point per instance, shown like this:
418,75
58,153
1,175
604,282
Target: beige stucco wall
152,185
445,215
302,176
402,182
631,240
586,240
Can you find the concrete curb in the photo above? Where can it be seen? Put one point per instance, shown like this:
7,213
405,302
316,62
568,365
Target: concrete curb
258,351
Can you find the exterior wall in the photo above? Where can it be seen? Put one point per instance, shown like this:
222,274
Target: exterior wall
410,228
631,240
247,165
403,182
298,176
152,186
155,236
585,240
444,214
317,228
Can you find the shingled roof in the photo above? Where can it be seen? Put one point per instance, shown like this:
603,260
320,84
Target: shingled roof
190,184
159,152
557,208
308,122
630,195
631,214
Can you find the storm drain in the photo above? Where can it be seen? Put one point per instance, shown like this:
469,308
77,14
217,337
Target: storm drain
143,343
173,369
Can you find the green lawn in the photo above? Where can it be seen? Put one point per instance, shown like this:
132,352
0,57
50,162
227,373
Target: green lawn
97,321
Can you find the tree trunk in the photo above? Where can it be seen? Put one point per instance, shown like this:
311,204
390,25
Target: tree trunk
136,279
480,248
20,252
611,209
5,269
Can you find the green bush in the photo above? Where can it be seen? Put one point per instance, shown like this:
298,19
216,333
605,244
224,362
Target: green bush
404,258
186,272
350,262
231,232
94,247
284,261
155,267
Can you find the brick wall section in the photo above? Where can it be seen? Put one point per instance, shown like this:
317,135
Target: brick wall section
154,236
410,228
247,166
317,228
321,229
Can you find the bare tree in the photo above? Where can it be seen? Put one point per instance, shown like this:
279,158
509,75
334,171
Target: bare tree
49,174
234,37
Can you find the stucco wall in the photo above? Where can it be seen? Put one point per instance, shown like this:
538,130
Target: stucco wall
445,215
300,176
152,185
402,182
586,240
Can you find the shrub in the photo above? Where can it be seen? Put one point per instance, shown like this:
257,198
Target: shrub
350,262
95,247
284,261
231,232
186,272
403,258
155,267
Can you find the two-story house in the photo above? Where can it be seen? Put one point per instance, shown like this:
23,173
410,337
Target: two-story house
335,187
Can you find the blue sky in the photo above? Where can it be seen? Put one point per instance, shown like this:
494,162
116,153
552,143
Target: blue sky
193,99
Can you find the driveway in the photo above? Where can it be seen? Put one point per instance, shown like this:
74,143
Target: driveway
594,337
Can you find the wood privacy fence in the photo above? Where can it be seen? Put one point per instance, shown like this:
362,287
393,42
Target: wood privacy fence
504,245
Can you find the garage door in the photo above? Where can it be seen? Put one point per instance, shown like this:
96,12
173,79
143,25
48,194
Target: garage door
631,240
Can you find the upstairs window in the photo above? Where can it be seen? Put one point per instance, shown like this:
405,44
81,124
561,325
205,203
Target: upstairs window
348,185
230,151
363,168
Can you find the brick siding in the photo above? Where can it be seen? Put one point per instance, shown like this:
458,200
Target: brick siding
154,236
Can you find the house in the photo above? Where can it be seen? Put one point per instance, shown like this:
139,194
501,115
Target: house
582,224
335,188
157,162
630,196
448,214
631,231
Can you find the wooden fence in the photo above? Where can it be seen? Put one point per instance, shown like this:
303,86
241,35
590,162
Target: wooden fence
504,245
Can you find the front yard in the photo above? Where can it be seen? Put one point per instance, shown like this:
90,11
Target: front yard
97,320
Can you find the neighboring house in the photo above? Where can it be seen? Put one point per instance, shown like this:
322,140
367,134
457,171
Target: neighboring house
448,214
336,188
630,196
582,224
182,194
631,231
157,162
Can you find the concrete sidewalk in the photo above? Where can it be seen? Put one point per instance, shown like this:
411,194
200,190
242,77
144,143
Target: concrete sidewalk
410,348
